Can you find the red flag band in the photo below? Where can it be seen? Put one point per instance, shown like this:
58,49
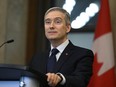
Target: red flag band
103,67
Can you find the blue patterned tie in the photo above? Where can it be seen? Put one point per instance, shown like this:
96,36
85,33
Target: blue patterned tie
52,60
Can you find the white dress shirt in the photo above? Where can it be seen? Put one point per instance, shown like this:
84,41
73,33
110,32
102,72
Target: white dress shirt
61,49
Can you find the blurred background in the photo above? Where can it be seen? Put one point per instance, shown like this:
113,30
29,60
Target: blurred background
22,20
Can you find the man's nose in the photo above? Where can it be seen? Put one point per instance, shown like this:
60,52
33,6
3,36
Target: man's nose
52,25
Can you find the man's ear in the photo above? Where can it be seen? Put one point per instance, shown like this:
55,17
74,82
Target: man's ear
68,28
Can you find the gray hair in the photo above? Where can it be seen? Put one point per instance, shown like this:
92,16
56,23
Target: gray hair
67,16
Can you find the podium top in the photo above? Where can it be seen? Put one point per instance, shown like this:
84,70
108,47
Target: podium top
15,72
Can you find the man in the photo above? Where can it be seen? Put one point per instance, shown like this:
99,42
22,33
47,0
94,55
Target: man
74,64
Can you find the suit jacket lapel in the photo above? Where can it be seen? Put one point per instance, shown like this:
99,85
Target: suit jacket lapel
64,56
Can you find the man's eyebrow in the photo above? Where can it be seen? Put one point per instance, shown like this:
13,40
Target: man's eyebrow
47,19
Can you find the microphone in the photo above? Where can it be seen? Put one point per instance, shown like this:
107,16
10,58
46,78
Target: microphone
9,41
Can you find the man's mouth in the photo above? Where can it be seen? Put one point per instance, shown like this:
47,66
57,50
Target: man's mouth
52,32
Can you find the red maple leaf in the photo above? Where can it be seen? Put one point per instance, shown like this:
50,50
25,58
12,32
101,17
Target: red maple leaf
105,80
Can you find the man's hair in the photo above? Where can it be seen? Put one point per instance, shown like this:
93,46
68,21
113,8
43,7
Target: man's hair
67,16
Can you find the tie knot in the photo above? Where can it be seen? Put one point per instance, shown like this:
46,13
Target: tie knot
54,51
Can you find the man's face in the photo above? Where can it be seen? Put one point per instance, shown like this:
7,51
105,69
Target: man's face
55,26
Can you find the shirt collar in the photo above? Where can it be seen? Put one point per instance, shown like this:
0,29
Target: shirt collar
62,46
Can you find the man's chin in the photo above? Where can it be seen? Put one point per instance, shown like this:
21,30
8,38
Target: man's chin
52,39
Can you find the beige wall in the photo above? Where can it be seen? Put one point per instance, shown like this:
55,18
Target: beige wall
13,25
3,7
113,21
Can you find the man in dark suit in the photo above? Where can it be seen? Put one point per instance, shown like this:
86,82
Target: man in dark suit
73,67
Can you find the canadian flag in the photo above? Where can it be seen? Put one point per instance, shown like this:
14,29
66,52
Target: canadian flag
104,66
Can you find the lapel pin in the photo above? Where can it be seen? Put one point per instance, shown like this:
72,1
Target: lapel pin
66,54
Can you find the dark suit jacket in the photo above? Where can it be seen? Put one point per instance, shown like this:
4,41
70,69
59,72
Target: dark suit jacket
75,63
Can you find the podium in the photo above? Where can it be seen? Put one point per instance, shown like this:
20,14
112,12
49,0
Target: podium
20,76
